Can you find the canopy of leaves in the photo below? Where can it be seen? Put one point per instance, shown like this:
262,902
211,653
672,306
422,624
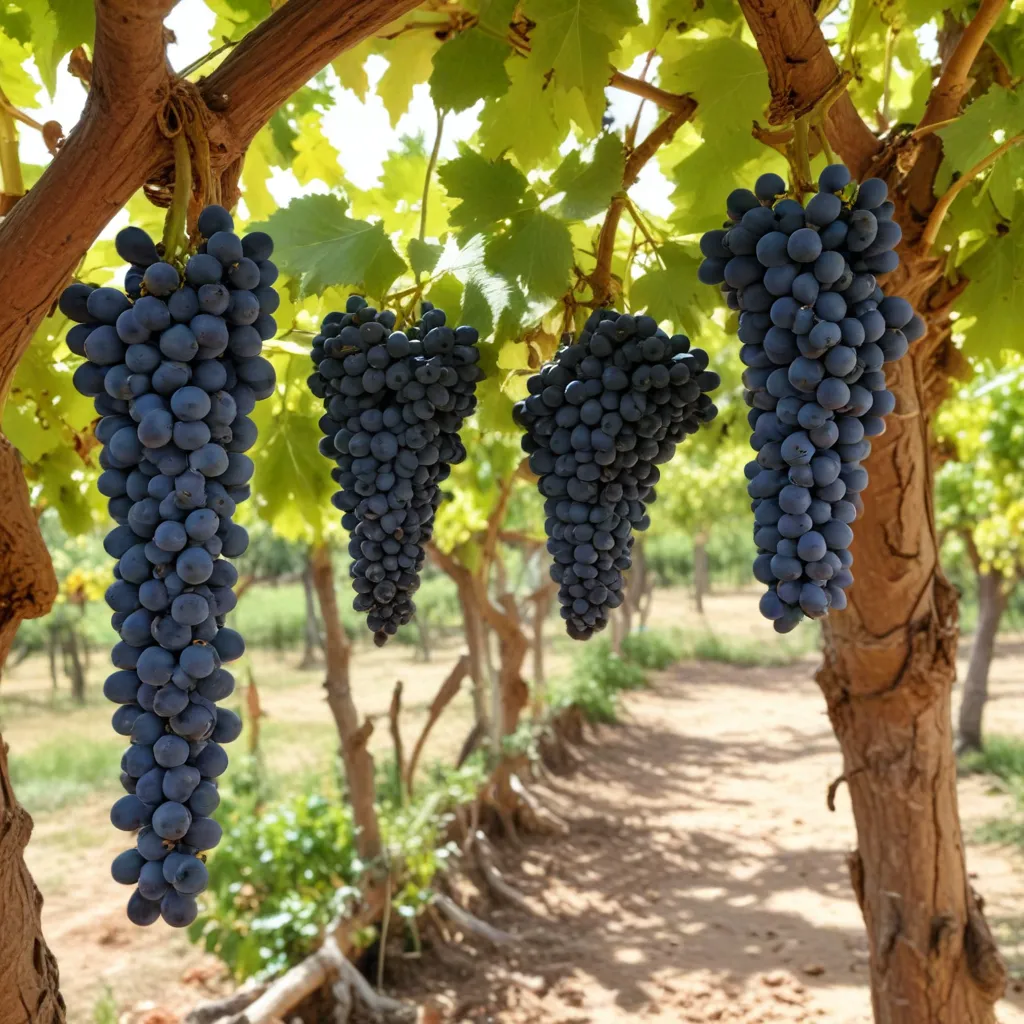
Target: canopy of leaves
468,155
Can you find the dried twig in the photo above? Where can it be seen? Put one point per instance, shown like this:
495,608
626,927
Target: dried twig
470,923
445,695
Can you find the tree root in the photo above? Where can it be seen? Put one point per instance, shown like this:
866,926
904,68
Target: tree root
493,877
470,923
329,967
537,817
212,1011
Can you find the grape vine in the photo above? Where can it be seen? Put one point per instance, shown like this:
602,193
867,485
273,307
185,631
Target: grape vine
173,365
816,329
599,419
394,403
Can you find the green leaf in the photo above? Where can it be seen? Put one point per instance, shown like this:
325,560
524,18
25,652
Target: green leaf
315,158
530,121
318,243
589,187
536,251
409,62
490,192
995,296
576,38
298,501
496,15
423,256
973,135
476,310
671,292
468,68
446,294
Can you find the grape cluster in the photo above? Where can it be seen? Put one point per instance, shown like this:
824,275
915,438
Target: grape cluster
174,368
599,420
816,329
394,403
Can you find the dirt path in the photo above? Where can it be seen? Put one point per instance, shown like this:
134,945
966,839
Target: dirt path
704,878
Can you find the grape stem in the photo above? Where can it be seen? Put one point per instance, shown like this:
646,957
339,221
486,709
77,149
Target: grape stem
429,177
175,240
644,227
197,64
938,214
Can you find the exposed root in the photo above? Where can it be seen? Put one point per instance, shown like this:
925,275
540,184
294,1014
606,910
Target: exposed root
496,882
212,1011
470,923
537,817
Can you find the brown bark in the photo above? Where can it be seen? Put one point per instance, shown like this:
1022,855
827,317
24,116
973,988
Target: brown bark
353,735
444,696
115,148
701,584
889,659
472,628
29,982
992,601
73,663
395,726
312,642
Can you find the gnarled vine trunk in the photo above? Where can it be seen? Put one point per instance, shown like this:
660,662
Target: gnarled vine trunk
354,736
992,601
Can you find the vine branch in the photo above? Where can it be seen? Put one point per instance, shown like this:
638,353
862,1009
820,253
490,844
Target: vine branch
938,214
601,280
948,93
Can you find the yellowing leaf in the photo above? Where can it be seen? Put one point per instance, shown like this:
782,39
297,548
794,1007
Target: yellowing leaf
409,62
315,158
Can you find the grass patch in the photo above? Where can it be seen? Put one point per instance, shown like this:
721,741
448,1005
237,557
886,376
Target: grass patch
56,774
1002,756
747,653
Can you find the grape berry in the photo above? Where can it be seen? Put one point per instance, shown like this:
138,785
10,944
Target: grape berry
394,403
815,328
599,419
174,394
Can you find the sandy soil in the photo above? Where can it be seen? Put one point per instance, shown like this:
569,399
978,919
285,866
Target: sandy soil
704,878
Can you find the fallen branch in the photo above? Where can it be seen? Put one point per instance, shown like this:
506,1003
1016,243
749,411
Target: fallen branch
471,924
495,880
445,695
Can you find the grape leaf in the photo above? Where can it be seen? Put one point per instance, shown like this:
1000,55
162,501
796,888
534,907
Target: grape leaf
529,121
476,310
315,158
409,62
495,15
469,67
575,38
446,294
319,244
971,136
350,68
423,256
672,291
995,296
536,251
588,187
490,192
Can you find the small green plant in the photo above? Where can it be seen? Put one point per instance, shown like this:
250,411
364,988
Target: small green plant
597,679
104,1010
652,649
1002,756
281,874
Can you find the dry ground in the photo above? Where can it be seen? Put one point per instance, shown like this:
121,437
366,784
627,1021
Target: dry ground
704,878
